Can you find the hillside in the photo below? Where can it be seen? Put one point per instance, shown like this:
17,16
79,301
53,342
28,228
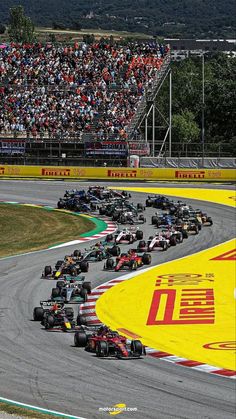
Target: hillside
176,18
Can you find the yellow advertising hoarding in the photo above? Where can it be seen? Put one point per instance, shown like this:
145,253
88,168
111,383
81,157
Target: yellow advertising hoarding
65,172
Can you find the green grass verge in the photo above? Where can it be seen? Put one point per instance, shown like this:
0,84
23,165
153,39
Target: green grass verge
10,409
25,228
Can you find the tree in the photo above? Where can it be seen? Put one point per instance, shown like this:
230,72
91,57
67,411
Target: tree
185,129
2,28
21,28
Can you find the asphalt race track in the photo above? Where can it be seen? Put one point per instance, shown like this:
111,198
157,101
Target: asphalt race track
44,369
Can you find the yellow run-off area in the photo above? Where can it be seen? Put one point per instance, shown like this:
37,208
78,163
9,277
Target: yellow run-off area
219,196
184,307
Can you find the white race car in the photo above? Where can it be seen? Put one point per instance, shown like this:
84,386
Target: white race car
158,241
128,235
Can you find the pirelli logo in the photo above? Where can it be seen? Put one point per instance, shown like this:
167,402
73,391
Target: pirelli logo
2,170
122,173
190,174
186,306
55,172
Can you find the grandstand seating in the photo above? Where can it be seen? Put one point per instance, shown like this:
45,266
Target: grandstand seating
92,91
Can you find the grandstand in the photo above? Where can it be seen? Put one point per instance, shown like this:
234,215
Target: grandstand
68,104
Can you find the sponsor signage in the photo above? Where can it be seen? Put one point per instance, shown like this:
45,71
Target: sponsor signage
112,172
50,171
140,149
121,173
190,174
106,148
10,146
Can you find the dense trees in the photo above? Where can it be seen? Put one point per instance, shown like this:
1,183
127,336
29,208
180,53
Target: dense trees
21,28
175,18
220,101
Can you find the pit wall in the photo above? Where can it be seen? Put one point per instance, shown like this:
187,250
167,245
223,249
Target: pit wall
112,173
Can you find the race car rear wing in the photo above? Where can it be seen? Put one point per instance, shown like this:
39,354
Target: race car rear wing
50,303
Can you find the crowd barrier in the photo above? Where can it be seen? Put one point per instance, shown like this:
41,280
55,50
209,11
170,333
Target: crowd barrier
114,173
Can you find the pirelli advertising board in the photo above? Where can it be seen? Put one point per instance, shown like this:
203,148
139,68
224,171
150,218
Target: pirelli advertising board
54,172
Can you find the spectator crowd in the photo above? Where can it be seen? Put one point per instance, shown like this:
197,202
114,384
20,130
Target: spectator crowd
50,90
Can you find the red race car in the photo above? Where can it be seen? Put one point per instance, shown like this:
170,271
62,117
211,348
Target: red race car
105,342
130,260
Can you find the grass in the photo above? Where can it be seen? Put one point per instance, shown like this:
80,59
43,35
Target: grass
24,228
10,409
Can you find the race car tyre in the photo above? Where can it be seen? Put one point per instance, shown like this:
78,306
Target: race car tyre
102,348
164,246
58,264
102,210
61,204
81,320
139,235
148,203
115,251
142,244
38,314
154,220
133,265
109,263
47,270
69,312
93,206
180,238
87,286
141,218
150,238
99,256
140,207
56,292
185,234
84,266
196,230
109,237
199,227
80,339
49,322
146,259
84,294
60,284
209,221
115,216
77,253
173,240
136,347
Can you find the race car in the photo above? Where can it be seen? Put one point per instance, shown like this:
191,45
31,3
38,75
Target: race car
158,201
128,217
105,342
163,220
158,241
98,252
203,218
191,224
52,314
104,194
69,265
128,235
71,292
76,204
131,260
174,236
